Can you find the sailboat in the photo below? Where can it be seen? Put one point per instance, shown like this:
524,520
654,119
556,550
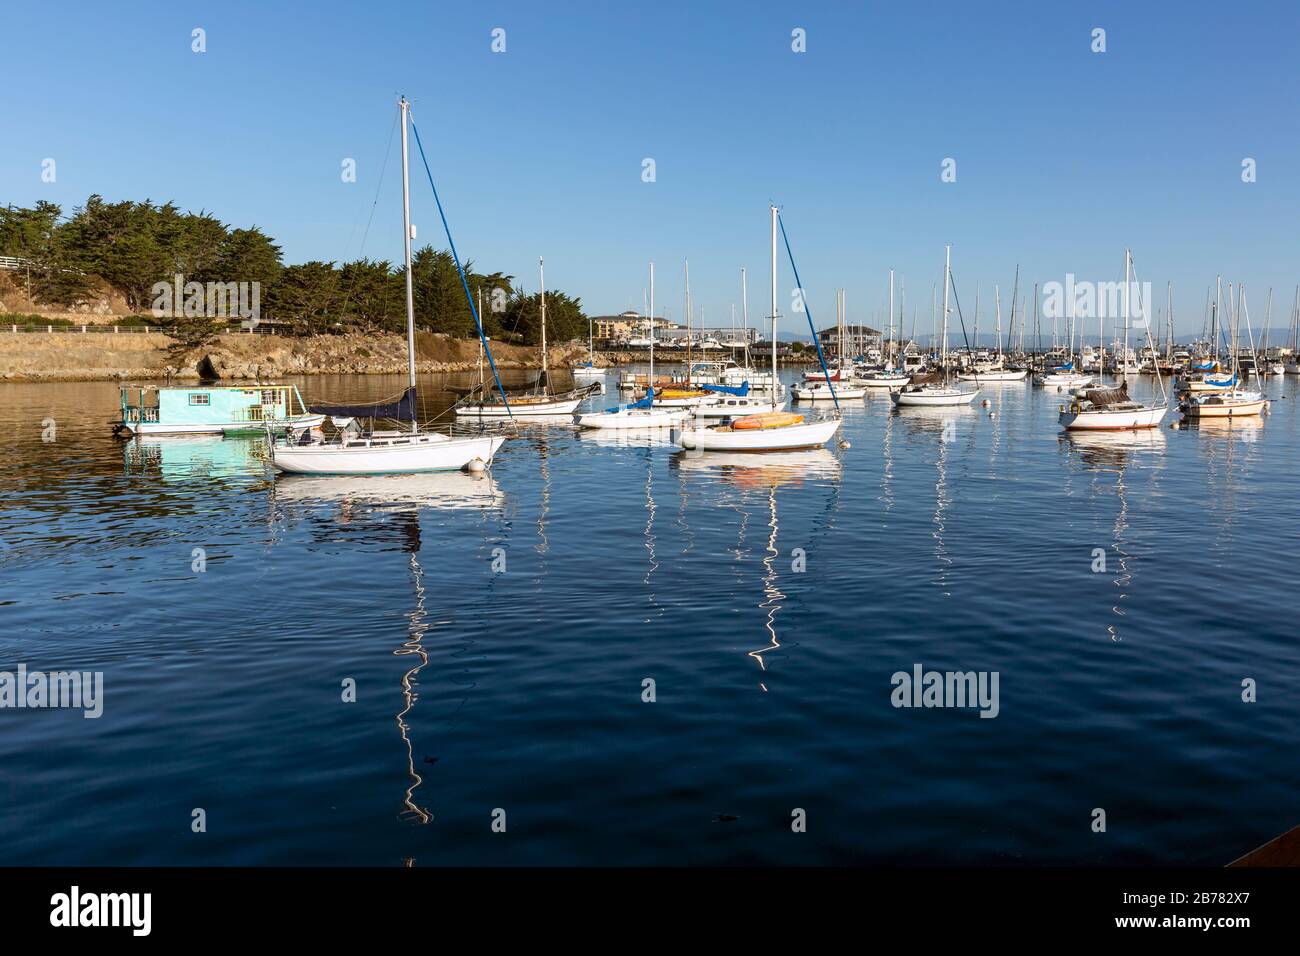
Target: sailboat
891,376
1111,409
996,370
357,452
589,370
737,402
934,390
774,431
542,401
826,390
1229,401
642,414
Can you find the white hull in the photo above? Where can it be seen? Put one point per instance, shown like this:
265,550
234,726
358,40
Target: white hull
1239,407
427,451
1064,380
565,407
931,397
997,375
154,428
687,403
883,381
822,392
632,418
1117,419
804,435
734,408
587,373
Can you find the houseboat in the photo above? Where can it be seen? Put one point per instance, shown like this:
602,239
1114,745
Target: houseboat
212,409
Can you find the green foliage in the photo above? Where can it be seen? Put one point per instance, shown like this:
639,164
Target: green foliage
134,245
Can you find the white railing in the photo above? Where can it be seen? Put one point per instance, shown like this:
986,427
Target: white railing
10,262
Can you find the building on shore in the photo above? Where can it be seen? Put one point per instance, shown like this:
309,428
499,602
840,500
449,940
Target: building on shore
858,339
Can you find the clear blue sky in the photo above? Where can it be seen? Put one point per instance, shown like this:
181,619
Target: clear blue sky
1063,156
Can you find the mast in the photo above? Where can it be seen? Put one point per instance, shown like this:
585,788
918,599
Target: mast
545,380
406,237
744,316
688,320
773,211
943,354
890,347
652,329
997,308
1128,261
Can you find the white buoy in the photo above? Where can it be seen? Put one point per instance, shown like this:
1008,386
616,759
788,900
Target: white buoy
1174,424
993,414
476,466
844,443
986,403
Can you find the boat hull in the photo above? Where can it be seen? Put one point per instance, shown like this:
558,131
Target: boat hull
933,398
1229,409
228,428
788,438
430,452
1001,375
725,409
523,410
1113,420
632,419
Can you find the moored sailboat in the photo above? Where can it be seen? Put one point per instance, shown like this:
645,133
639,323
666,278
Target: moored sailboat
933,389
774,431
357,452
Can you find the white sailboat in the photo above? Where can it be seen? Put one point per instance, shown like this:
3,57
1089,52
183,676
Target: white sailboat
1230,401
589,371
996,370
542,402
926,393
354,452
642,414
775,431
1111,409
754,402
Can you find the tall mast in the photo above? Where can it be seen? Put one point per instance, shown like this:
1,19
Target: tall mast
890,347
541,282
1128,263
943,355
997,308
744,314
406,237
1214,314
652,326
773,211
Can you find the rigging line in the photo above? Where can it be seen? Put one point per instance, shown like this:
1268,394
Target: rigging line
808,312
463,281
350,299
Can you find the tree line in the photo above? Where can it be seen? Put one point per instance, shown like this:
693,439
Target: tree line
131,246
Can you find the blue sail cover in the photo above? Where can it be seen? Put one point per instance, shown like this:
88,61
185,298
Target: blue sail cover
742,389
1203,366
1067,367
1217,384
646,402
402,410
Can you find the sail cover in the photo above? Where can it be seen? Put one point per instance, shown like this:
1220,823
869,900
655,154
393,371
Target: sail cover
402,410
1108,396
742,389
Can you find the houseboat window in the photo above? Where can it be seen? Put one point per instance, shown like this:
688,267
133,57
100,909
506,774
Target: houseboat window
271,397
200,398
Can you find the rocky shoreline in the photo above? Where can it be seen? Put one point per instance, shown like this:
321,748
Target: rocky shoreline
74,356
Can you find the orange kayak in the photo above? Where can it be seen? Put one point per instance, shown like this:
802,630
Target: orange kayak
766,420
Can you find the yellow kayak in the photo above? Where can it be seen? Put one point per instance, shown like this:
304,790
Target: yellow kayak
766,420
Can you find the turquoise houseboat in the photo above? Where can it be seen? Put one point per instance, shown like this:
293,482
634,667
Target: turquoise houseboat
212,409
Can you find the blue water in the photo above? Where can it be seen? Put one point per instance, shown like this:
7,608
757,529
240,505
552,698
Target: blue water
521,688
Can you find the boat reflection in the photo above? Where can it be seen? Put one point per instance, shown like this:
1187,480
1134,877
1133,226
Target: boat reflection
413,645
1108,450
628,438
762,470
186,457
447,491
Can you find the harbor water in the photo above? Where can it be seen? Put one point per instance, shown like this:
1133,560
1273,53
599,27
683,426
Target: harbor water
609,651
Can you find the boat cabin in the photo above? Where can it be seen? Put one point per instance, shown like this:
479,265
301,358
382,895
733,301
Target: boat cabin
197,409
